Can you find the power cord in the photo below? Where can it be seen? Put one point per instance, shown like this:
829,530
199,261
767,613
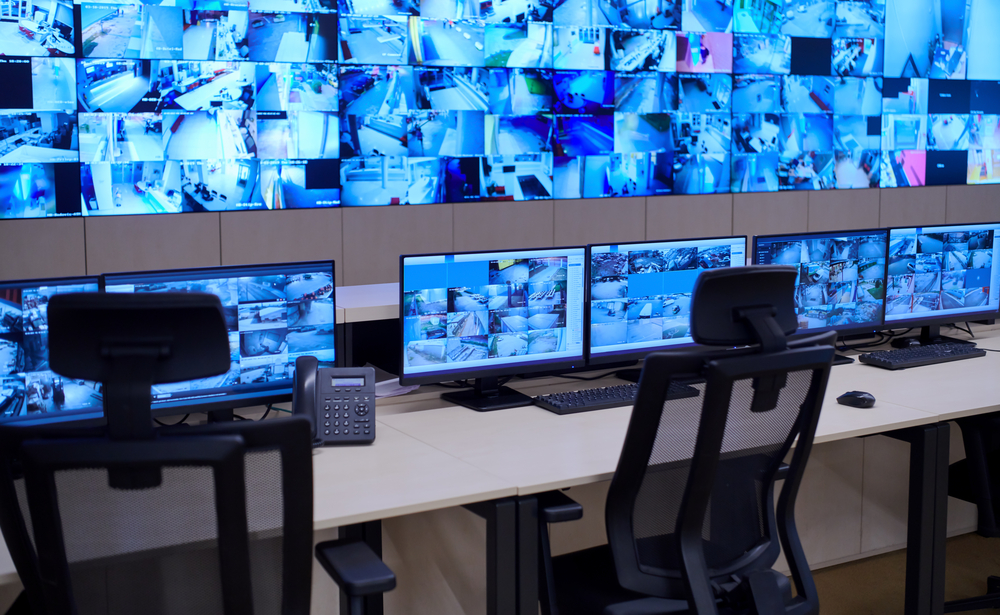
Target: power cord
162,424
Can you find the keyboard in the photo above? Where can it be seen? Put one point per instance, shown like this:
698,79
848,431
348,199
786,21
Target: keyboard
571,402
915,356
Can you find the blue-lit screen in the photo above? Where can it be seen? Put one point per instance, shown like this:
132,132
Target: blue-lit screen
274,314
191,105
474,312
29,390
942,271
640,293
841,276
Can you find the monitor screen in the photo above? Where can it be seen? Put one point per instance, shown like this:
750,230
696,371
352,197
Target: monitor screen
169,106
942,273
29,391
640,293
841,283
274,313
491,313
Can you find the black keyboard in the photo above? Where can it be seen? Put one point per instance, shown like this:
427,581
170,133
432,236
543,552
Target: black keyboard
584,400
915,356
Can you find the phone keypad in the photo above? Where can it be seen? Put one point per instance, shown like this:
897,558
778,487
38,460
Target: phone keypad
344,413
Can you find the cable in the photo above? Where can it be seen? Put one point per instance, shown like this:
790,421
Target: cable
162,424
266,412
967,328
882,339
458,384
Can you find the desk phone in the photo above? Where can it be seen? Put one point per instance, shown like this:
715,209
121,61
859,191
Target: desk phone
340,401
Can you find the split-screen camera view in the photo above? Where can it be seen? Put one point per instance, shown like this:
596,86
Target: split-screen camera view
27,386
510,308
272,320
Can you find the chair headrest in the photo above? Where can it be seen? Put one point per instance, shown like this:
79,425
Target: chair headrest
90,334
725,301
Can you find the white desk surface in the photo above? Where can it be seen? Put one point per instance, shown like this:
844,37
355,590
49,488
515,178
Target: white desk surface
396,475
369,302
539,451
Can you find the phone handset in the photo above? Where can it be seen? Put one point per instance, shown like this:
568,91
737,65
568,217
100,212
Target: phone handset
339,401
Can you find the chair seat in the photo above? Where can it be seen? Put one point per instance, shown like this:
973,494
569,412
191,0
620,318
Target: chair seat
586,583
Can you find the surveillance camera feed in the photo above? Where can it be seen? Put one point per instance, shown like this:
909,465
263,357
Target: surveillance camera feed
274,315
474,312
842,280
180,106
640,293
29,390
942,271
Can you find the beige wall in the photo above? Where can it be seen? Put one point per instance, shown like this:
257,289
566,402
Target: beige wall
366,242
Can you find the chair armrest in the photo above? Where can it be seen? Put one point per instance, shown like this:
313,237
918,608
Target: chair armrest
782,472
355,567
556,507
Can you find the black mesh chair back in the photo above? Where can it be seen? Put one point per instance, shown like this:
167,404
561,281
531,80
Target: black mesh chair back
124,519
228,529
690,509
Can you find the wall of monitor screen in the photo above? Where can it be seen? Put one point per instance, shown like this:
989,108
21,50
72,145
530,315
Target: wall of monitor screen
132,108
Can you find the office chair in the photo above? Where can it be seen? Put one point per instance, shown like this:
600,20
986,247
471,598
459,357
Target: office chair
976,479
690,519
123,518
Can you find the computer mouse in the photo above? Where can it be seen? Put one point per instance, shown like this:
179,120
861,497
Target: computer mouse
857,399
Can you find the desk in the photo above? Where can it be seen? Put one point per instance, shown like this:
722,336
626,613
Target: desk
539,451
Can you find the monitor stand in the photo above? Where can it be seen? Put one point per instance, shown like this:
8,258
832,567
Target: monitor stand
630,375
220,416
841,359
929,335
487,395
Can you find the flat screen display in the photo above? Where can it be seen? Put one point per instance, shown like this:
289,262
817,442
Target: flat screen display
942,273
491,312
274,314
29,390
126,107
640,293
841,283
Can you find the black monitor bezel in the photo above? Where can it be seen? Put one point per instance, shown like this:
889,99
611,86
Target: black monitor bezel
81,417
226,401
909,323
634,355
525,368
842,330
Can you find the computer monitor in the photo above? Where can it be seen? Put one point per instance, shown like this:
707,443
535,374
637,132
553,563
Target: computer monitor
275,313
482,315
29,391
640,293
940,275
841,283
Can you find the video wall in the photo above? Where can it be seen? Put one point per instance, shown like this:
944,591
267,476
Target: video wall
113,108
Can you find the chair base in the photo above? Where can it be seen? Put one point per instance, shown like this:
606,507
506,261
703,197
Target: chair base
991,600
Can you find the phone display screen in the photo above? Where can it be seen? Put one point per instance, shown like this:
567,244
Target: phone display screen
358,381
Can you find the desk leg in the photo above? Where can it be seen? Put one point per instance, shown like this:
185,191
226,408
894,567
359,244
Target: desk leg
528,548
927,517
371,533
501,554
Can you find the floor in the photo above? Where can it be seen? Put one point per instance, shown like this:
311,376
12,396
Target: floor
875,585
